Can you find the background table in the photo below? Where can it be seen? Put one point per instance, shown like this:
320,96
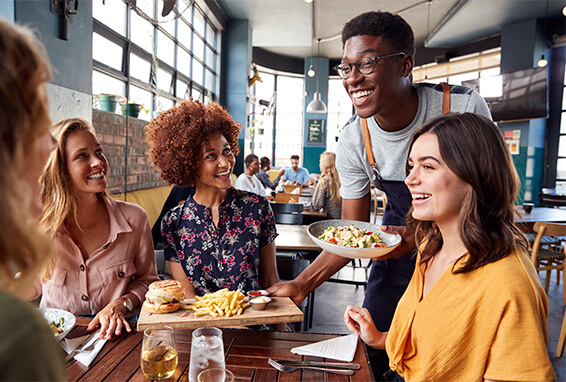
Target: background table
294,238
526,221
247,352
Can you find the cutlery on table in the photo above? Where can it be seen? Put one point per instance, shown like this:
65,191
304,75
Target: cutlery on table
80,348
288,369
89,347
340,365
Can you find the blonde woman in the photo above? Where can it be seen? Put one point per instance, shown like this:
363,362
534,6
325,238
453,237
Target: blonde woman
28,349
327,192
105,261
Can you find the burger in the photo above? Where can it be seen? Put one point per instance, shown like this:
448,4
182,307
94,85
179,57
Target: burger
164,296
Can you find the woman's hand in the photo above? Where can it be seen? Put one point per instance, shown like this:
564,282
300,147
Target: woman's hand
111,320
359,321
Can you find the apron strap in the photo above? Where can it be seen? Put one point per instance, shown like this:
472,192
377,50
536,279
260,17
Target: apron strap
446,98
367,142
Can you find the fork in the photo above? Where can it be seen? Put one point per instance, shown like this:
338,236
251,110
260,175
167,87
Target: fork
288,369
89,347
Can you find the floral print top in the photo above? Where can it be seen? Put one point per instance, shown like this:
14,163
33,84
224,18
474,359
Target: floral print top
226,256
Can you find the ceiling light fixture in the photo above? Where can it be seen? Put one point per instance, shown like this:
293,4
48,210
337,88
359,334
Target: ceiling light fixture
543,62
427,32
316,105
311,73
308,1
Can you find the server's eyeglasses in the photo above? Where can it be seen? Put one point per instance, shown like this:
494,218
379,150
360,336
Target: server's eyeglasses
364,65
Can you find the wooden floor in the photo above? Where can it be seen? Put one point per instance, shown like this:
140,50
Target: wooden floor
332,299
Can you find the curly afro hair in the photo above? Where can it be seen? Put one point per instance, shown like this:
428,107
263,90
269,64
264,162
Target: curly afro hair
176,136
392,28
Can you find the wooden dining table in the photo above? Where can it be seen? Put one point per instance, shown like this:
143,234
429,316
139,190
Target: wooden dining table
246,353
294,238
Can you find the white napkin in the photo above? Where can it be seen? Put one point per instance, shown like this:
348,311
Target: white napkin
296,191
341,348
84,357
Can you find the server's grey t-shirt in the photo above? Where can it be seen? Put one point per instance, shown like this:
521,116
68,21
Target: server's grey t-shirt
390,149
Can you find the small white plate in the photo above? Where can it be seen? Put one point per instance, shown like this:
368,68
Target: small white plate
51,314
316,229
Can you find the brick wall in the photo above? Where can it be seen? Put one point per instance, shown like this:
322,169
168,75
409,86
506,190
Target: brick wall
127,172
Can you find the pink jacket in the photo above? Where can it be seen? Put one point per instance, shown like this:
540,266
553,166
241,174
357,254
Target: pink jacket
126,263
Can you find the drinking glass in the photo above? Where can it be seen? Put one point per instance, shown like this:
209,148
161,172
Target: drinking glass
216,374
207,351
159,354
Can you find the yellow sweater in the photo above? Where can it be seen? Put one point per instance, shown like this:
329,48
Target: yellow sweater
488,323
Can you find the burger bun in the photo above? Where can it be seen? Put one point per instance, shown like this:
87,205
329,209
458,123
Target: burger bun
164,296
161,308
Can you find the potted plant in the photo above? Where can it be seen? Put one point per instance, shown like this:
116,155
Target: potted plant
107,102
131,108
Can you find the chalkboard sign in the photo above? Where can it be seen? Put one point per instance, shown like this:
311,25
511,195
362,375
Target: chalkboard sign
315,132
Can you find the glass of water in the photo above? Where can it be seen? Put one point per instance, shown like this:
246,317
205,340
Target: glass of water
216,374
207,351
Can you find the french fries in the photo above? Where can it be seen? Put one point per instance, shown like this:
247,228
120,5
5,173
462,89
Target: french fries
220,303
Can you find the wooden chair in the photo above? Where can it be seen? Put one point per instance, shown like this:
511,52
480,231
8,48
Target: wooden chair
547,259
561,339
377,209
290,188
283,197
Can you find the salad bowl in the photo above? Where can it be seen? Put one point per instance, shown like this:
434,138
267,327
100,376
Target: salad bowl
315,230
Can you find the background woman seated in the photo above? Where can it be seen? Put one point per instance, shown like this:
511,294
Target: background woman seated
326,195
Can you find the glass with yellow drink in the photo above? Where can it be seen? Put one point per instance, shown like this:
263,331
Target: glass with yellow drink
159,354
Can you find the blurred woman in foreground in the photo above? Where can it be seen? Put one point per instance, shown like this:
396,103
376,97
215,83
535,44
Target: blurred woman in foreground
28,350
105,260
220,237
474,309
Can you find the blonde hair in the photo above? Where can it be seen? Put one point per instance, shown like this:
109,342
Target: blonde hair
57,196
24,117
329,174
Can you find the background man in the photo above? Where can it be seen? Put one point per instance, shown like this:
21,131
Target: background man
296,174
376,70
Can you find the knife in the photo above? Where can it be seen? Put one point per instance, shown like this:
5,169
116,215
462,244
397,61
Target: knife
353,366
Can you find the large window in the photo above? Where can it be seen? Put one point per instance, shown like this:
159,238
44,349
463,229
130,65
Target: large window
561,161
155,60
340,110
275,122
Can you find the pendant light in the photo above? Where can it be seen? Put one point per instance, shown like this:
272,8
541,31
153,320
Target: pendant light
316,105
543,62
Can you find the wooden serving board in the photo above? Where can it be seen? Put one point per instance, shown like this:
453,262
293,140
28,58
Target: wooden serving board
279,310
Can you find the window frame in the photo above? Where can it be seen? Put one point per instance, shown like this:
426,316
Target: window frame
129,47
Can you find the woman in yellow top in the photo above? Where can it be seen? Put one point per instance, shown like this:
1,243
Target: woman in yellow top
474,309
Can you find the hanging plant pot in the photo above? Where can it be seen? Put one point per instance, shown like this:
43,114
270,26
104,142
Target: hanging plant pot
107,102
131,109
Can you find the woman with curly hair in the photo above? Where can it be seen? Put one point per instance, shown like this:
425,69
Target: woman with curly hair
326,195
220,237
474,309
105,260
